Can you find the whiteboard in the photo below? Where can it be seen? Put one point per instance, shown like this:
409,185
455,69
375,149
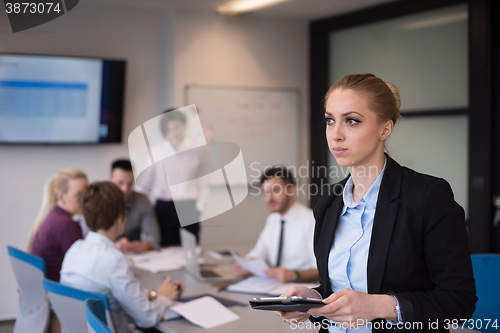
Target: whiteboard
263,122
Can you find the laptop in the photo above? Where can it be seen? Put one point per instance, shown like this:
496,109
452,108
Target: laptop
204,274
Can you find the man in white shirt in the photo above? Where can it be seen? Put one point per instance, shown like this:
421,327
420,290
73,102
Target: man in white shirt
286,242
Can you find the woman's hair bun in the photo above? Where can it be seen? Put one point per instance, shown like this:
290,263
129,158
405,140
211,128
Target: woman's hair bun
384,102
395,92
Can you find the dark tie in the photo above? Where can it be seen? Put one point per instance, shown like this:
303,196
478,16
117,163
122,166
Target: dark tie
280,248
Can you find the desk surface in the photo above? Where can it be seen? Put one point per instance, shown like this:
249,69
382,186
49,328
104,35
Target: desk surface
250,320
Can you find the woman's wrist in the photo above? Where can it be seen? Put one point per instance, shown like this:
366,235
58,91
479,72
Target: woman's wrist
315,294
386,306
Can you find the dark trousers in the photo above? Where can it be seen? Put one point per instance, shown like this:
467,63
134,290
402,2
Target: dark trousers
169,221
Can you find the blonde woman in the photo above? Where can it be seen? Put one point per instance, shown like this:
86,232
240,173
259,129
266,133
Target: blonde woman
390,243
54,230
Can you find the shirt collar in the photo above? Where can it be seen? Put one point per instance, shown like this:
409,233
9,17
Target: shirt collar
94,237
291,213
130,203
60,210
369,199
185,144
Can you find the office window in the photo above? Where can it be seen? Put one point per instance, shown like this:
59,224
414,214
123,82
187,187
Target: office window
424,54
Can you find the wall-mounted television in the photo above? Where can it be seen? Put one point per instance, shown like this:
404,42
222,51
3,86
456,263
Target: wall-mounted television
60,100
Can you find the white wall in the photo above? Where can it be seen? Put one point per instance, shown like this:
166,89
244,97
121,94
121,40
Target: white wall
142,36
208,49
250,52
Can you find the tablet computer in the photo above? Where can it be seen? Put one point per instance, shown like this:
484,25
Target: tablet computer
291,303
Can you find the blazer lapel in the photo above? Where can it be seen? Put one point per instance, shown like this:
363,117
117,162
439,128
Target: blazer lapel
328,228
383,225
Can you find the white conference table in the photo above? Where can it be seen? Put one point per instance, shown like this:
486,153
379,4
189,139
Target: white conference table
250,320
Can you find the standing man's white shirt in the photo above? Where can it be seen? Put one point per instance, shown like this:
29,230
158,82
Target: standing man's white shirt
191,168
297,253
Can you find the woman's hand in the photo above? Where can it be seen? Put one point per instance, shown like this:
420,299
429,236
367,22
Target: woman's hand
295,316
356,308
170,289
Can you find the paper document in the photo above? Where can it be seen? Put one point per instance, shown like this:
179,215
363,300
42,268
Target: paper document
156,266
256,266
205,312
169,259
171,314
254,285
154,262
267,285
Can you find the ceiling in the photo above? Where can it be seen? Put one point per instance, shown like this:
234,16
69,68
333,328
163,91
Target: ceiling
300,9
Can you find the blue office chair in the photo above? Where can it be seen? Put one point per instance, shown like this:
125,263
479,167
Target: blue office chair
68,304
487,274
33,314
96,316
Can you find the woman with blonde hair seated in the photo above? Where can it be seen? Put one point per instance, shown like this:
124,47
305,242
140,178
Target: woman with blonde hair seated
54,230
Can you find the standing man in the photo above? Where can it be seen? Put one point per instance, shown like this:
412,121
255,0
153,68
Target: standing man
286,242
141,231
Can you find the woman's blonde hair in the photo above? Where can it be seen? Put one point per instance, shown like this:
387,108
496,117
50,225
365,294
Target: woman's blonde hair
383,97
58,183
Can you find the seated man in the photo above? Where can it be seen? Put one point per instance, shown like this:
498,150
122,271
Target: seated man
96,265
286,242
141,231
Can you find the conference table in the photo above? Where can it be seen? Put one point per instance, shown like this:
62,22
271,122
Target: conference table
250,320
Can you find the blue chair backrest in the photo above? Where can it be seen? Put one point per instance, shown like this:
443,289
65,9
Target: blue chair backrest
69,306
487,275
33,309
29,271
96,316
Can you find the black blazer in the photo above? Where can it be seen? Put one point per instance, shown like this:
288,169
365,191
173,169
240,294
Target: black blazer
418,250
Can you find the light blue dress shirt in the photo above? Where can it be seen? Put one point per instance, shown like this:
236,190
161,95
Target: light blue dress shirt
95,264
347,263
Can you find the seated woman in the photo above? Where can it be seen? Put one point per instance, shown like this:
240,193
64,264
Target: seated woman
96,265
54,230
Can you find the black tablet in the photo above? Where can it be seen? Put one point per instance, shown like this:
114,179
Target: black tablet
291,303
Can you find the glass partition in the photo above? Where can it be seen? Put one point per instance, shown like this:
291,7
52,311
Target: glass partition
426,56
